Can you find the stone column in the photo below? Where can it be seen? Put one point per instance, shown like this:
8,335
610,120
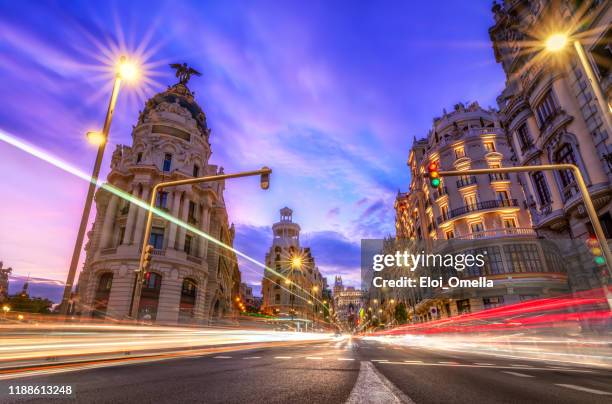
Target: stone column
129,225
121,291
109,221
140,220
181,230
174,212
200,315
205,227
169,298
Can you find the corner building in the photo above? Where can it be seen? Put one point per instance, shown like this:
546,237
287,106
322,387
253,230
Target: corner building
489,209
299,293
190,280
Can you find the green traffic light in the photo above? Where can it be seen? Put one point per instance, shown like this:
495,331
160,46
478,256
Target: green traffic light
435,182
600,260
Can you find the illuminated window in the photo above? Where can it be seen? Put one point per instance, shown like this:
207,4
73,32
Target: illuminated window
509,223
503,196
450,234
471,202
459,152
476,227
489,146
523,257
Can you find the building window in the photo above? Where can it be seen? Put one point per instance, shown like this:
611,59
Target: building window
539,181
167,162
188,240
471,202
491,302
138,157
509,223
191,213
546,109
162,200
503,197
524,137
476,227
565,155
523,257
489,146
444,211
157,238
277,299
196,170
450,234
459,152
463,306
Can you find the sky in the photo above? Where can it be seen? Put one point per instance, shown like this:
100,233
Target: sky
328,94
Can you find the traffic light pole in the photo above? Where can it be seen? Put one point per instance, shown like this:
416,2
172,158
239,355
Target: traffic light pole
264,172
586,198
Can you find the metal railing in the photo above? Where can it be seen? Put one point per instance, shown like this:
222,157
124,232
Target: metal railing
502,232
499,177
474,207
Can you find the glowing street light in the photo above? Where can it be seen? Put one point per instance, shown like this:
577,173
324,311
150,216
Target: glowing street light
125,70
296,262
556,42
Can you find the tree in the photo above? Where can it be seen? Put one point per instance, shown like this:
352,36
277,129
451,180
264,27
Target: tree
401,315
24,303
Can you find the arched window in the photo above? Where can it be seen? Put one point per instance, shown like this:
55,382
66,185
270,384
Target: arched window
105,283
149,297
188,298
565,155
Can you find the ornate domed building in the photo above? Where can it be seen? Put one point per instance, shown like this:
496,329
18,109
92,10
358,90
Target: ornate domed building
190,280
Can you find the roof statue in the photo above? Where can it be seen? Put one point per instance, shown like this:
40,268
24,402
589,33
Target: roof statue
184,72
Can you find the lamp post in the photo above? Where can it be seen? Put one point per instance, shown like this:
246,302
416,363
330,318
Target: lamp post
125,71
556,43
586,198
264,172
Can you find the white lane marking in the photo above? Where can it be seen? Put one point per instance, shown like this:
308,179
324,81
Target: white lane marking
380,360
222,357
282,357
449,363
346,359
517,374
484,364
314,358
588,390
252,357
372,387
413,361
520,366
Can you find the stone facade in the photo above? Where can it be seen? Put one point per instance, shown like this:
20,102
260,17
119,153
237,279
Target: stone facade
190,280
472,209
300,294
549,111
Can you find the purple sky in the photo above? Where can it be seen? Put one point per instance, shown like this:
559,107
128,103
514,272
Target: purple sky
328,95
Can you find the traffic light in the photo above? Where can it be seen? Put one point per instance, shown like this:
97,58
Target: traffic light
146,262
434,174
595,249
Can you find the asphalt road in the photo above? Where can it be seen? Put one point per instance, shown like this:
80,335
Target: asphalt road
354,371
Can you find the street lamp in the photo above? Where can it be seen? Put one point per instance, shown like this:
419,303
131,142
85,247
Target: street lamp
125,70
264,173
557,42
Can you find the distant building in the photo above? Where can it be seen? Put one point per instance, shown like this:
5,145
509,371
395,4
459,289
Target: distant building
295,287
191,280
4,281
347,303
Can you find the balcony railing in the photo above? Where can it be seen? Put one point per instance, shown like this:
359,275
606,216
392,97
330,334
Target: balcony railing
499,177
493,204
464,182
440,192
569,191
494,233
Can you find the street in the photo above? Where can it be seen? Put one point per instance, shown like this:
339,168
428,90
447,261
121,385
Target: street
334,371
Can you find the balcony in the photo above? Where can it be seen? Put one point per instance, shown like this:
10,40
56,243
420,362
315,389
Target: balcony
475,207
569,191
495,233
499,177
439,193
464,182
